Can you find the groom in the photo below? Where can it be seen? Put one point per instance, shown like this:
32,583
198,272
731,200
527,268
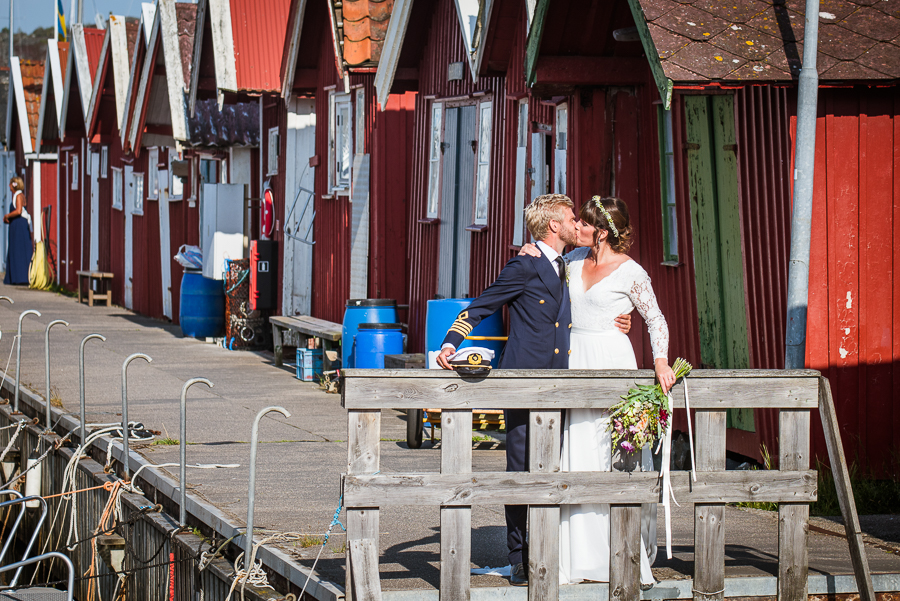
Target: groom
536,291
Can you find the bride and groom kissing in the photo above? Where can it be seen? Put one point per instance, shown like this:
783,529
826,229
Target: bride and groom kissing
572,312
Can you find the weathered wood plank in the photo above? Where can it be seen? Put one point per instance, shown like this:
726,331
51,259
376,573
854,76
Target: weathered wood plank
548,389
709,531
363,457
793,518
566,488
456,522
625,553
363,556
845,492
544,430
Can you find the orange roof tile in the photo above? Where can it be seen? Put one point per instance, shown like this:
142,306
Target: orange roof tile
364,24
32,84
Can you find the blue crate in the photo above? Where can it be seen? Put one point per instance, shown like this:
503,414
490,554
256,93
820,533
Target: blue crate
309,364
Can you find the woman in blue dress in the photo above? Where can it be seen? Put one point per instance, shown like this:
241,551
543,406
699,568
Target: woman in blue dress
18,256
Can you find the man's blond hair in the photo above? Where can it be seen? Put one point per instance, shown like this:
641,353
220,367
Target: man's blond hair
544,209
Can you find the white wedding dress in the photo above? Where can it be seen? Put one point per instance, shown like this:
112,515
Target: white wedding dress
587,445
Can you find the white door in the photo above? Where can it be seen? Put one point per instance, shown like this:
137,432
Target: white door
165,250
95,211
129,236
299,207
222,227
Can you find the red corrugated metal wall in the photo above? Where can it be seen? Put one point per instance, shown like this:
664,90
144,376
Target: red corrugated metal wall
147,277
117,226
275,115
490,248
184,228
48,199
71,199
853,331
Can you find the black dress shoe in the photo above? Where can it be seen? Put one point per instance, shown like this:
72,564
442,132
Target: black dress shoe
518,576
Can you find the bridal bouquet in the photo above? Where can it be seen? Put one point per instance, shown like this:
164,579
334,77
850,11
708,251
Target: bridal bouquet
641,418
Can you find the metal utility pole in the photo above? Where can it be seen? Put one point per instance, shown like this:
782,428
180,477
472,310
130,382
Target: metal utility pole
10,31
81,10
801,219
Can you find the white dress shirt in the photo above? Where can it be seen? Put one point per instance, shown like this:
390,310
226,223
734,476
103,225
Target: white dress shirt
550,254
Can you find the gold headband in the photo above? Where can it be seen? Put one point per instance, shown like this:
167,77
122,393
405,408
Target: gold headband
609,220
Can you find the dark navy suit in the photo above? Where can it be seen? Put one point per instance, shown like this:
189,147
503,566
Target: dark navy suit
540,321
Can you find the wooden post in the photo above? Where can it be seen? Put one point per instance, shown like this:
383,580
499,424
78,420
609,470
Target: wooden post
363,457
543,520
277,345
709,532
456,522
793,518
625,553
845,492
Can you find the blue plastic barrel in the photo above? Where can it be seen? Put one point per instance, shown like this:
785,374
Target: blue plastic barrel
374,341
363,310
442,313
202,309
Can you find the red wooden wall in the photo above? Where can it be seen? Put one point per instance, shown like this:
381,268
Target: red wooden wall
853,331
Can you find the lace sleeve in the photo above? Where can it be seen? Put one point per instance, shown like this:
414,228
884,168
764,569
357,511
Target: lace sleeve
644,300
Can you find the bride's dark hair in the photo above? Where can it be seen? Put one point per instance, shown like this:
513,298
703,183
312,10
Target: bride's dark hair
591,213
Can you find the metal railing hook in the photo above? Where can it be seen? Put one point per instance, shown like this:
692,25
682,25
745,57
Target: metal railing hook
182,444
47,363
18,343
125,448
254,441
81,378
7,299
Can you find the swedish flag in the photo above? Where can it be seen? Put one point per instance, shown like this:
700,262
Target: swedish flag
60,21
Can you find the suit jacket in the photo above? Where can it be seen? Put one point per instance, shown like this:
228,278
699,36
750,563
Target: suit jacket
540,317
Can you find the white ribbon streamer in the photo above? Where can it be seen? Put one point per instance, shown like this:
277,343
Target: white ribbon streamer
665,472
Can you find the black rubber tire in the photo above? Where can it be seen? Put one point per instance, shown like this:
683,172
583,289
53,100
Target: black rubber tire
414,428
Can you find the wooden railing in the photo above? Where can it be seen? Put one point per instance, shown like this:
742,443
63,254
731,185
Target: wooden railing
544,488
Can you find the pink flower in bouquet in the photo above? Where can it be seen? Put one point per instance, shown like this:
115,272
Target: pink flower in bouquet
618,425
627,446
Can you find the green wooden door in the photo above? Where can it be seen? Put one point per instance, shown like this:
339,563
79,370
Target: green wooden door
715,217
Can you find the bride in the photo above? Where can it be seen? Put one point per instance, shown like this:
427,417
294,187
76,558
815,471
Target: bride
604,283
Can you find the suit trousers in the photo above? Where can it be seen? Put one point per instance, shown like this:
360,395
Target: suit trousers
517,461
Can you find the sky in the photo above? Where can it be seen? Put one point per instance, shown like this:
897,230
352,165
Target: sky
29,14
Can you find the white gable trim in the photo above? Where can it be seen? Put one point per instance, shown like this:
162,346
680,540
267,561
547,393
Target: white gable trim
223,44
390,53
138,104
15,73
293,50
85,82
52,77
98,79
56,74
148,14
174,68
473,35
118,45
199,32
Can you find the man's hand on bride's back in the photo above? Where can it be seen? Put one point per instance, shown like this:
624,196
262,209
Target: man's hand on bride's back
530,249
623,322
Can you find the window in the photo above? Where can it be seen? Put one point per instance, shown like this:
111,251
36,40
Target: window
667,186
340,144
74,178
360,121
137,194
560,149
209,171
153,174
272,156
434,161
117,188
483,167
521,174
178,171
104,161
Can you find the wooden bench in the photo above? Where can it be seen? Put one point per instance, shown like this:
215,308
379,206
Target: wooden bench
795,394
306,327
103,279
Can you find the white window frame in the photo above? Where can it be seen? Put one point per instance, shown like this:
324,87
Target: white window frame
360,125
74,177
483,162
153,174
118,188
521,175
667,189
561,149
272,141
338,102
137,193
87,163
104,161
173,156
435,152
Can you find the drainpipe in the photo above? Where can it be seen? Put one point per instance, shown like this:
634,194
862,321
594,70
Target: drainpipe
801,219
